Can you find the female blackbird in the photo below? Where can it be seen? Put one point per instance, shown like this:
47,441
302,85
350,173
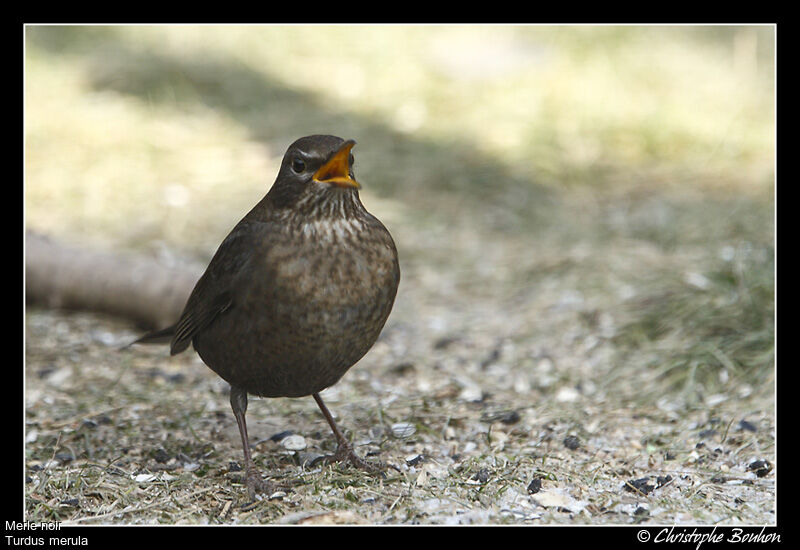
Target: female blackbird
296,293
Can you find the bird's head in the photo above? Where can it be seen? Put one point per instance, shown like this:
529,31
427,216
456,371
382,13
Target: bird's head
316,169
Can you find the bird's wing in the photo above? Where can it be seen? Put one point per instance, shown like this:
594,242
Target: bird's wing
212,294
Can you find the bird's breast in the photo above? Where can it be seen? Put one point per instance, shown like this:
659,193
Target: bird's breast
335,268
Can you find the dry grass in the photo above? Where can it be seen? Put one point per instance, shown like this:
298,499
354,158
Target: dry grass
585,222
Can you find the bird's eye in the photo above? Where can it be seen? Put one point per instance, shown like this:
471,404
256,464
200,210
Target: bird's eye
298,166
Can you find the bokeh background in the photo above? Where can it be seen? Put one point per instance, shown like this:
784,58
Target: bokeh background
584,214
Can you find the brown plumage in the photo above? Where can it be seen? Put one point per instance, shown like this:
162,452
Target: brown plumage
296,293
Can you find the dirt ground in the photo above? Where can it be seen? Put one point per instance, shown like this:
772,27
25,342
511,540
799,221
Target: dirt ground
597,352
514,406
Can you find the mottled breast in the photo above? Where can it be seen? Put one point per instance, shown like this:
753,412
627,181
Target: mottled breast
323,295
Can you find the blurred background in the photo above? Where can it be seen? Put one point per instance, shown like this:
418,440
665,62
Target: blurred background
518,150
584,214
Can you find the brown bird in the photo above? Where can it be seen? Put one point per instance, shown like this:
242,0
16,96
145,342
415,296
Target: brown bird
296,293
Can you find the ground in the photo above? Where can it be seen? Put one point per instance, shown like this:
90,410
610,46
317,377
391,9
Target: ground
584,331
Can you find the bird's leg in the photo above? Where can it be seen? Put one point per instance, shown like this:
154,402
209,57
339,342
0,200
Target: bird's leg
252,477
344,451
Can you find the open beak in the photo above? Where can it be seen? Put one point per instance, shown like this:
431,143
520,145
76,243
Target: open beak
337,170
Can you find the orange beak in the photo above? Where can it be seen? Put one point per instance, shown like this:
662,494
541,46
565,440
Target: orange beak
337,170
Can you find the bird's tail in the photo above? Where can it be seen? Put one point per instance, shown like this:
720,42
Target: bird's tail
162,336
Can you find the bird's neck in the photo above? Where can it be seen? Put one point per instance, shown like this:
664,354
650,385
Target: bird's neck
332,205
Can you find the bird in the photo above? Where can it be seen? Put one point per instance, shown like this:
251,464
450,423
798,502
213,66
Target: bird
296,294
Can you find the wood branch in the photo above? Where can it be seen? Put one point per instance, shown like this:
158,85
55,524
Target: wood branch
136,287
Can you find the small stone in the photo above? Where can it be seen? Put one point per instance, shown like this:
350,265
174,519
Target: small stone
281,435
161,456
402,430
294,442
707,433
444,342
482,475
175,378
402,368
696,280
144,478
65,457
534,486
760,467
471,393
567,395
662,480
745,425
493,356
571,442
558,499
641,485
506,417
413,460
310,459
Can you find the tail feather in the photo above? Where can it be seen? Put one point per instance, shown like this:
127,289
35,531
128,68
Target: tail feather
162,336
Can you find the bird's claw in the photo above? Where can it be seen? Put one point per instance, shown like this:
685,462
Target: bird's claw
345,454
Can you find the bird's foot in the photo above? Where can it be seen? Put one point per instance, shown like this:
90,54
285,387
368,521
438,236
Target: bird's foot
345,454
256,484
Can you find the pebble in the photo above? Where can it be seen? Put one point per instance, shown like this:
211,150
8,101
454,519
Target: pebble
567,395
294,442
402,430
413,460
482,475
281,436
641,485
161,456
760,467
745,425
662,480
144,478
557,498
65,457
471,393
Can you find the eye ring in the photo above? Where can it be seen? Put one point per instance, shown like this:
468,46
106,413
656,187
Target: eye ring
298,166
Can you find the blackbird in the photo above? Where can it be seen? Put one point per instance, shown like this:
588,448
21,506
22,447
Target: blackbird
296,293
